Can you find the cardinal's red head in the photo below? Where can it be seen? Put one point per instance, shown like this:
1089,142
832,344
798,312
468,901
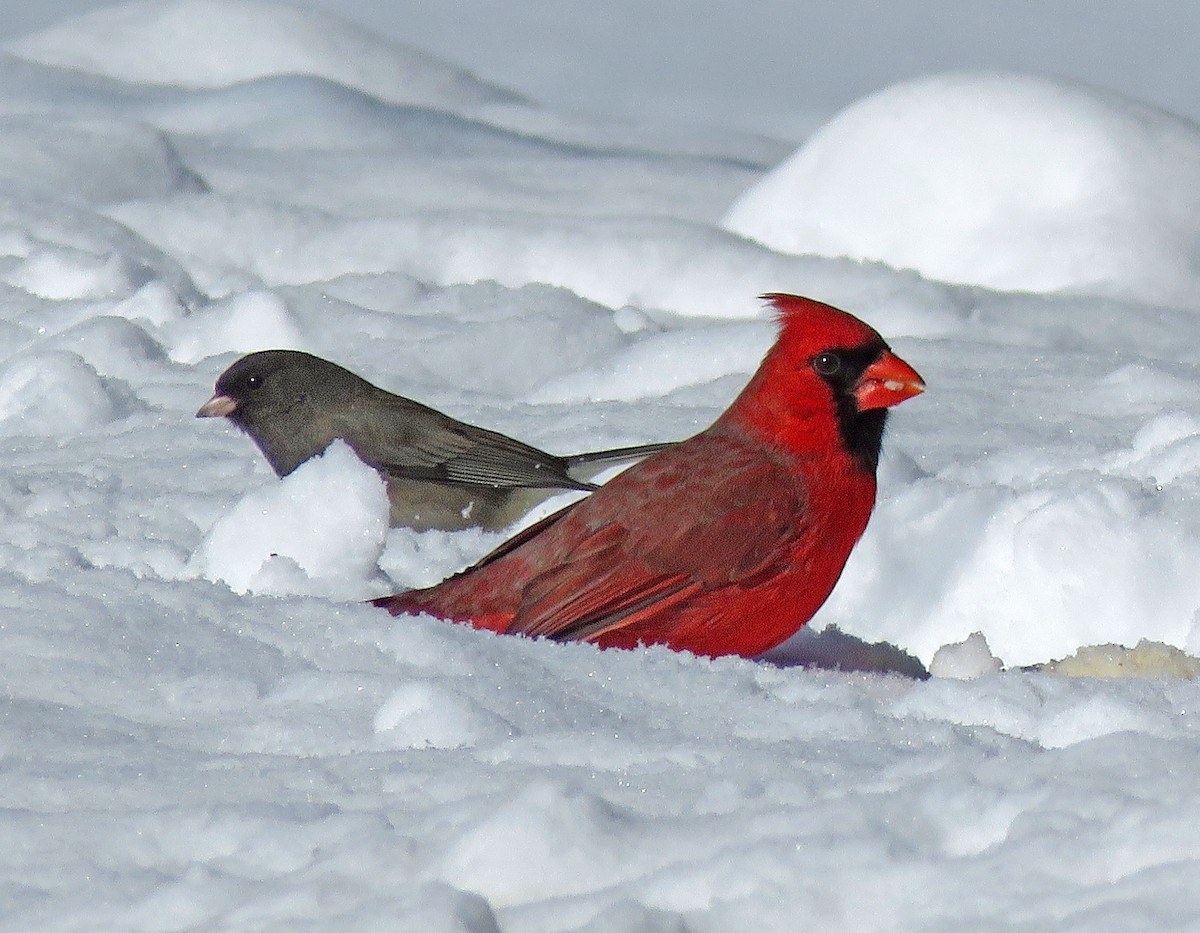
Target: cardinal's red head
829,378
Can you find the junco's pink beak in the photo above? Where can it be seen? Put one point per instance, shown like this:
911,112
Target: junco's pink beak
217,407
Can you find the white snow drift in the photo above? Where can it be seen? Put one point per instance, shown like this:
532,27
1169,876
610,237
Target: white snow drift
1013,182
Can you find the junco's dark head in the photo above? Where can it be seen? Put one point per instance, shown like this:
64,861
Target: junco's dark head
282,399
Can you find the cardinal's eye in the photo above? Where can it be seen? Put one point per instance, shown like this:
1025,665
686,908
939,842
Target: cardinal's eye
827,363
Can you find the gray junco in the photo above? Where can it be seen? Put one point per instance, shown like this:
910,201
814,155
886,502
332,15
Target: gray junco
440,473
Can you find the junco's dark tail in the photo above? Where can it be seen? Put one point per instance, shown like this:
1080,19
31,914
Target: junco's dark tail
617,454
587,466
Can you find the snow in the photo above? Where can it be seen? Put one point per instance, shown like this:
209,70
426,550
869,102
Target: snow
218,43
205,727
325,524
966,660
1013,182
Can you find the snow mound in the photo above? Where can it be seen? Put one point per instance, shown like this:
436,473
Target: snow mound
256,320
662,363
510,340
57,393
62,273
1009,181
1040,570
423,714
217,43
302,111
71,252
324,524
533,823
113,346
89,161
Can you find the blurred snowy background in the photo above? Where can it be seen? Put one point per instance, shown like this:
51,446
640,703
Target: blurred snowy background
778,68
553,220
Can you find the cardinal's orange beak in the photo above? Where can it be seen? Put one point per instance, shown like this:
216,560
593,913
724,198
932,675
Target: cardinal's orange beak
886,382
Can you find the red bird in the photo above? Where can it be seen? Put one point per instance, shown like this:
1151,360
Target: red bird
724,544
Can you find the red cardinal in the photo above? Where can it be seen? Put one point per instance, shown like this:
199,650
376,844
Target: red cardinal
724,544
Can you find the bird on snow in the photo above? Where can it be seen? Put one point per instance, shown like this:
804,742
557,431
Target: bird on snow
440,472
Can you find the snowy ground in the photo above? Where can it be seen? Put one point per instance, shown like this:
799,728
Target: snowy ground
205,729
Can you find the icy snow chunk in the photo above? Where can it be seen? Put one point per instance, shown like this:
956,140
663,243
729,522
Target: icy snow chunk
319,530
423,714
1145,659
217,43
1010,181
257,320
55,392
965,660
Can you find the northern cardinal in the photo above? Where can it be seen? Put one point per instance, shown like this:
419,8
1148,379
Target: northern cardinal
440,473
724,544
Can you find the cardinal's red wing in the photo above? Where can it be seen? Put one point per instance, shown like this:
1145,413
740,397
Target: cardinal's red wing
595,590
526,534
653,556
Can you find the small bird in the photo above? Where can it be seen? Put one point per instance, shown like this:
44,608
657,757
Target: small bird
440,473
726,543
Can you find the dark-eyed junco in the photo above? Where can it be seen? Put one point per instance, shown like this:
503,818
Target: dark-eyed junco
440,473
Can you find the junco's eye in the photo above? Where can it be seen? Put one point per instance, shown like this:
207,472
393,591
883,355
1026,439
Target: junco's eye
254,382
827,363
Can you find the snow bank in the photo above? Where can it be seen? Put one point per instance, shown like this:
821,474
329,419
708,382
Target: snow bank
216,43
300,110
1002,180
672,265
1041,568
